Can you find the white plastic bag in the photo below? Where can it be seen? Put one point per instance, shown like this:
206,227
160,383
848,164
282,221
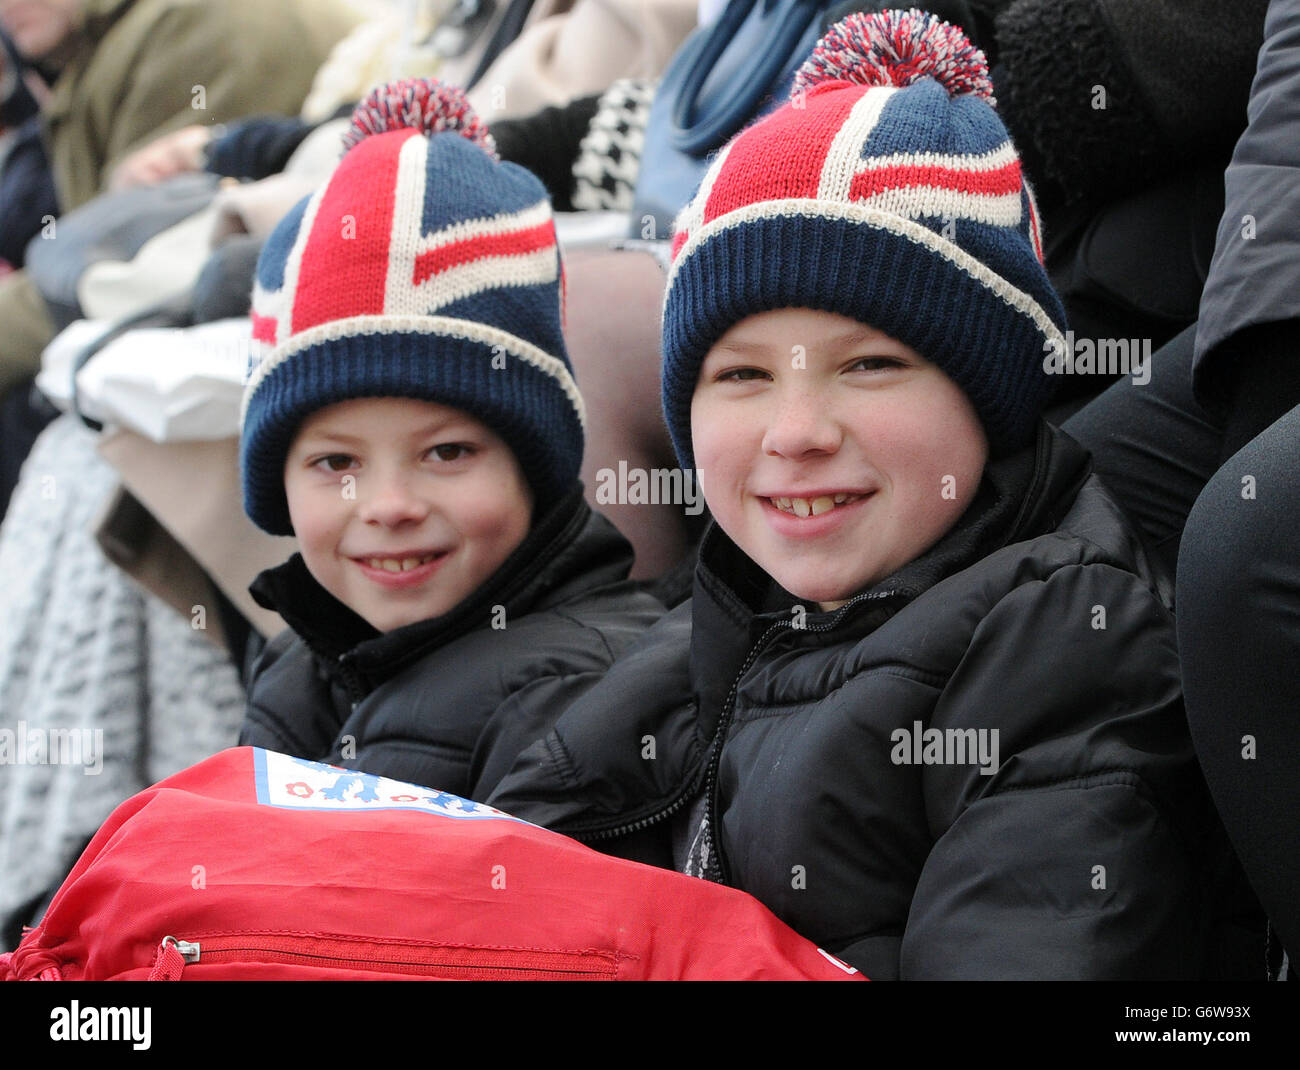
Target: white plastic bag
168,384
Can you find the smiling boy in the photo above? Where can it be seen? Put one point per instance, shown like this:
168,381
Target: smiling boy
413,420
444,505
826,470
924,702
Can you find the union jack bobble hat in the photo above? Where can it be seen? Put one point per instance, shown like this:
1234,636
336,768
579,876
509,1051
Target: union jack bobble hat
886,190
425,268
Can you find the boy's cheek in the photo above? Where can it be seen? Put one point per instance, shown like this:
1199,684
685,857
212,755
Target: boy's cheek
703,480
713,491
313,512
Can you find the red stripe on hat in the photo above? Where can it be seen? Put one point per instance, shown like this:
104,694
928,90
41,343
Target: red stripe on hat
511,243
263,328
756,169
996,183
344,268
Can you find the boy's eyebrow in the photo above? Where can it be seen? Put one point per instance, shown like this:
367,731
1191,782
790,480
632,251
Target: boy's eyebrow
334,436
742,347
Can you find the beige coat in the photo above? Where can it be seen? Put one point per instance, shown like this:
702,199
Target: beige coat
148,67
142,68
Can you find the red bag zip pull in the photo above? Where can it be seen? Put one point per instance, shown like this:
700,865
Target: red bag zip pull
169,962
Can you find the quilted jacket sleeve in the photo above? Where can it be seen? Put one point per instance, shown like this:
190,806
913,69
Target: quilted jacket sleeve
523,718
290,708
1077,858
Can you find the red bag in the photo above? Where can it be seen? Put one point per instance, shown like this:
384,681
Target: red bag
255,865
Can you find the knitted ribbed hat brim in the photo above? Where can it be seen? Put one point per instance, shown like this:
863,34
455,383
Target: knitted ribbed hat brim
502,381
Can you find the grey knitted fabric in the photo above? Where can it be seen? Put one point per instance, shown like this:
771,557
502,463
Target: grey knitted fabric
82,647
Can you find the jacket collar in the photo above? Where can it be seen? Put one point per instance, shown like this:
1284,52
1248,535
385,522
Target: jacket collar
735,602
569,550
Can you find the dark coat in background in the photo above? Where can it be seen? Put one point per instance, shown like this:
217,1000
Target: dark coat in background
1249,326
1239,570
1125,113
26,188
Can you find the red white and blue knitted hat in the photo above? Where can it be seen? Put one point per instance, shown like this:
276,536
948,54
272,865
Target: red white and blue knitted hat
425,268
886,190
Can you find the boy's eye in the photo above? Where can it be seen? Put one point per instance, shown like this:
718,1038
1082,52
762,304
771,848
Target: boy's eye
335,462
740,375
452,451
873,364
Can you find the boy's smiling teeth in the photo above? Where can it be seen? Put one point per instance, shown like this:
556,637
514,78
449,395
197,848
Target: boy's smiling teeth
399,564
813,506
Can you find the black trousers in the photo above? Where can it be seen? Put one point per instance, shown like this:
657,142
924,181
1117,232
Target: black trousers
1231,534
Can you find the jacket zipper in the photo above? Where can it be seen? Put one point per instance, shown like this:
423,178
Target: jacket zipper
717,857
418,960
710,770
715,753
680,800
352,682
717,864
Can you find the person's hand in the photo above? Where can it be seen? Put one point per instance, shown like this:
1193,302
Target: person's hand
176,153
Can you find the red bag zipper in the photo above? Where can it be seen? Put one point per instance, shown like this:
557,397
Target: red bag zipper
435,961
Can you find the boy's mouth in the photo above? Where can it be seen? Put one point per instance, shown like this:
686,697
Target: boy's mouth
399,564
805,507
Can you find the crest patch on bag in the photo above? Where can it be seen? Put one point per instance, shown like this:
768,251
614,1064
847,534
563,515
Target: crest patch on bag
299,784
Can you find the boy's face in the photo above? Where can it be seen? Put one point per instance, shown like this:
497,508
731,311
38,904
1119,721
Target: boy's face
829,452
403,507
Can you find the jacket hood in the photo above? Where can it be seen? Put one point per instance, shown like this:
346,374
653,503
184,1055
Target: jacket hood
571,550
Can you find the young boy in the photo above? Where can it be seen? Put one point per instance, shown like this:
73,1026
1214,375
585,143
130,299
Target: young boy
924,703
414,422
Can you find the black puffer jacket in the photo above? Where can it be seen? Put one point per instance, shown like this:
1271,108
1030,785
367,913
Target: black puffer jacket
449,702
1037,617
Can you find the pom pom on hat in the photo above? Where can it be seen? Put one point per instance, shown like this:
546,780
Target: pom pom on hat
426,268
421,104
895,48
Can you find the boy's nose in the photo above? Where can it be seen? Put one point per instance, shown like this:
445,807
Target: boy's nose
802,424
390,500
